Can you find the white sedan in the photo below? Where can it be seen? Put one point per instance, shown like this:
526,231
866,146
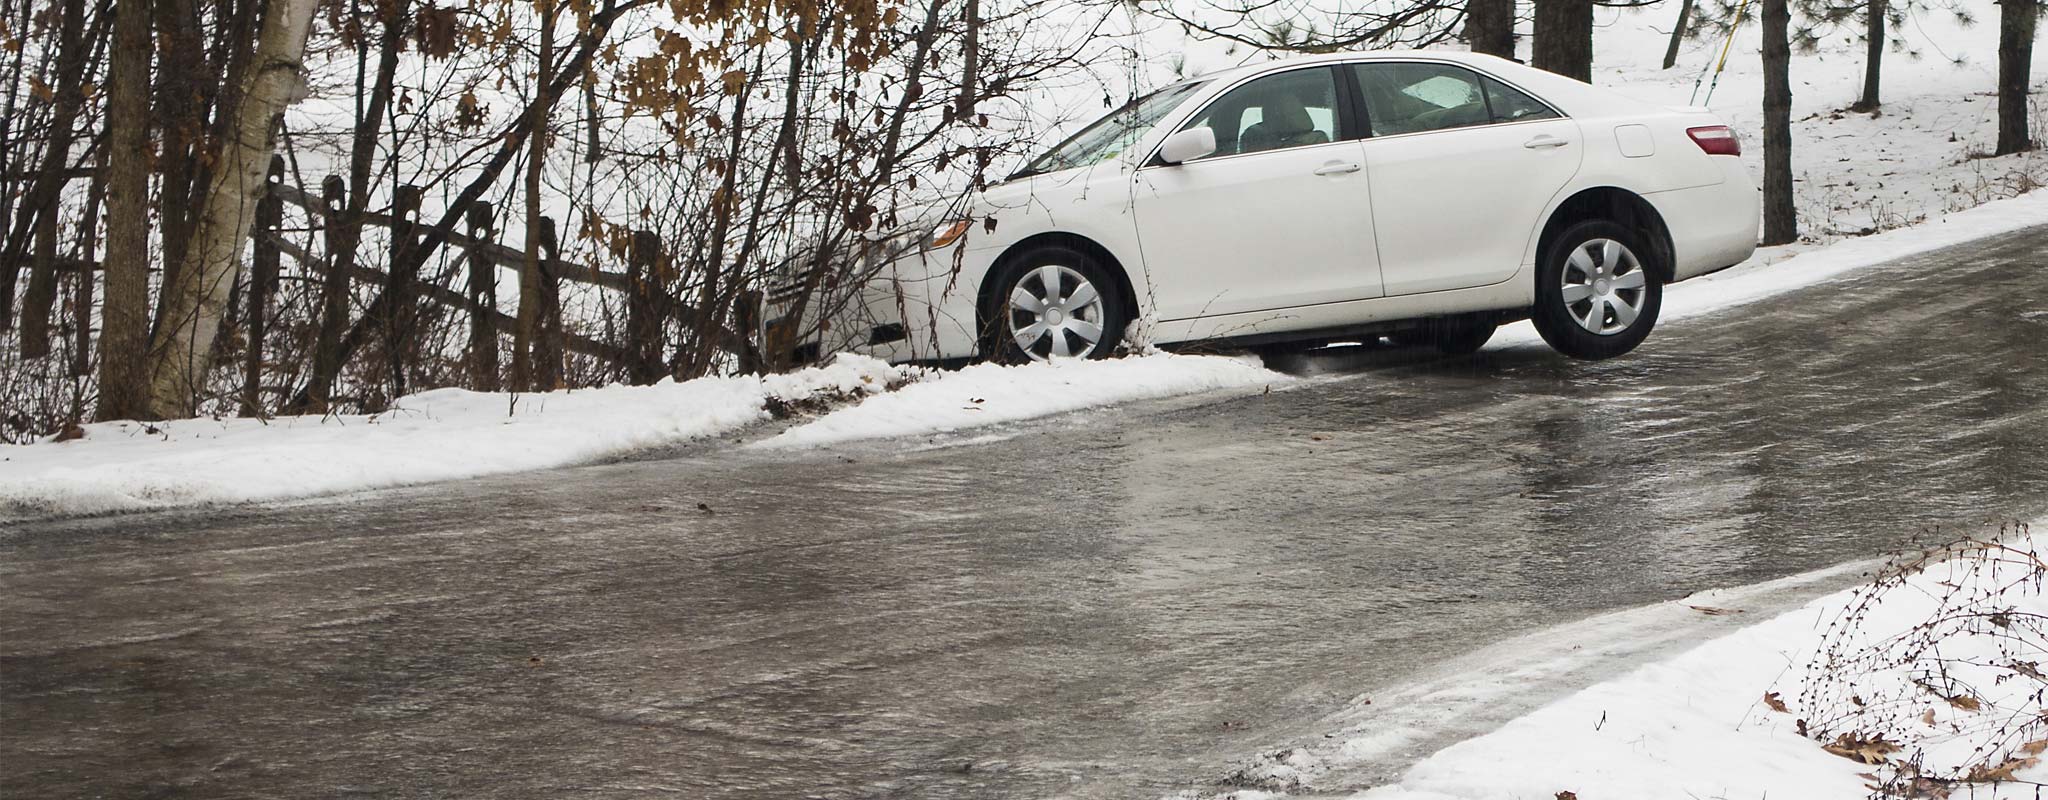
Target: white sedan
1424,197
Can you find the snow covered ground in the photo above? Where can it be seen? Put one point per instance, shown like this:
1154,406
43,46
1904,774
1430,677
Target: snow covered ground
1927,673
1725,719
449,434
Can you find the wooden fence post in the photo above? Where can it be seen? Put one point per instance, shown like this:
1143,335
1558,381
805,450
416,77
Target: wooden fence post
643,322
547,341
334,290
483,300
399,315
263,267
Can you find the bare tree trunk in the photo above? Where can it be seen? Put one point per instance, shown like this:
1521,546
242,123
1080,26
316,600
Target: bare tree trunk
41,294
181,351
1490,27
1781,217
124,320
1564,38
262,281
525,334
1873,56
1678,34
2016,21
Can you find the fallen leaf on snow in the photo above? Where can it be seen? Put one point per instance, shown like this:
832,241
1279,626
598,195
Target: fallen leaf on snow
1715,612
1775,702
1856,747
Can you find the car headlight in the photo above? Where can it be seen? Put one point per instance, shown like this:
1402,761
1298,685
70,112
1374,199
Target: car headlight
946,233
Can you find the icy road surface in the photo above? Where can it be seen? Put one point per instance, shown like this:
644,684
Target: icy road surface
1117,604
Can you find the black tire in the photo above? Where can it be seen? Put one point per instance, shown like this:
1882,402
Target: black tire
1567,324
1025,270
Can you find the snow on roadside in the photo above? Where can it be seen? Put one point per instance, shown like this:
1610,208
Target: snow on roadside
989,394
1707,722
441,434
449,434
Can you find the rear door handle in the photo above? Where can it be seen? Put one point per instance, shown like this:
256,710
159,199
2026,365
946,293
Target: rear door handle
1338,169
1544,141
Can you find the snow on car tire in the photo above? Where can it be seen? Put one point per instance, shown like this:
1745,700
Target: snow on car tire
1597,291
1053,303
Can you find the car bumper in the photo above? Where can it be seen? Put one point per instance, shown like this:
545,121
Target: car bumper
1714,226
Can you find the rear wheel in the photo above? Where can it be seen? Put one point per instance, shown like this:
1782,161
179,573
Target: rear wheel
1597,291
1053,303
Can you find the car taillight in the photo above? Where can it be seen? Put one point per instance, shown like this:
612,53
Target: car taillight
1716,140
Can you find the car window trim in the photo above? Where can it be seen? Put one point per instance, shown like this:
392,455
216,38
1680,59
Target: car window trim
1337,115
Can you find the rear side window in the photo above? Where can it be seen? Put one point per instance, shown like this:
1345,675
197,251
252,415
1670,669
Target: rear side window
1292,109
1413,98
1512,105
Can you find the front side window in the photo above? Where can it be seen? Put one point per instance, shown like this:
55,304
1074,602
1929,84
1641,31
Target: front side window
1291,109
1107,138
1412,98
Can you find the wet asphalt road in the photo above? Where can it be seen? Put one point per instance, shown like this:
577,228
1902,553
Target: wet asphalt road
1112,604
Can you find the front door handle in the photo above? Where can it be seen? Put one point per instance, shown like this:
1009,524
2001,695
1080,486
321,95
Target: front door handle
1338,169
1544,142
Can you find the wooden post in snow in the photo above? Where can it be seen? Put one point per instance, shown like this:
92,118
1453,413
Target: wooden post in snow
643,324
404,307
483,300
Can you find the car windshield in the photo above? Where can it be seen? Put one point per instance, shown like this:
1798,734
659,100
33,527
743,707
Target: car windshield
1107,138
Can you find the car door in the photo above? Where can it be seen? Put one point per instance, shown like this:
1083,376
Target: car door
1280,215
1462,166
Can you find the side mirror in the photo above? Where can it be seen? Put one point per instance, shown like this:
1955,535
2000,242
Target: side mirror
1188,145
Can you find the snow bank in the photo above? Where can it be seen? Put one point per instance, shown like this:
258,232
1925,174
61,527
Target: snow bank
988,394
1724,719
449,434
436,435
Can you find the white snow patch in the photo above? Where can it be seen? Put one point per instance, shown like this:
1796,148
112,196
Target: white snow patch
436,435
990,394
1698,724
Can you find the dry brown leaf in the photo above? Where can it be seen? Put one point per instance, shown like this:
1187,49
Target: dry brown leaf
1775,702
1964,702
1714,612
1567,796
1856,747
2034,748
1927,718
1985,773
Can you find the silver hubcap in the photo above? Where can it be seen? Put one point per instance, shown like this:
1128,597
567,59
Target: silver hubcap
1604,286
1055,313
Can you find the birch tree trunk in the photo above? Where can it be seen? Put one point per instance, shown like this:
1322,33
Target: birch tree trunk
181,351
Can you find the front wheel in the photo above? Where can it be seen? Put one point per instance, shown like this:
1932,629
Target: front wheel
1597,292
1053,303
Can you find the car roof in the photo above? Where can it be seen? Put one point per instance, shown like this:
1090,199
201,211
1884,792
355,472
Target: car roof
1456,56
1576,98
